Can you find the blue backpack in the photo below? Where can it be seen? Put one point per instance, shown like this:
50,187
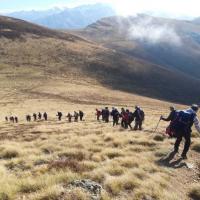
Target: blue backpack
183,120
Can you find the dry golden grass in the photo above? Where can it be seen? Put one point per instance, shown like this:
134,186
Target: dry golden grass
38,159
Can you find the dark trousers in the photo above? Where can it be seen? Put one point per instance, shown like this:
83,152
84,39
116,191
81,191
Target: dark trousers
115,121
106,119
138,125
187,137
124,124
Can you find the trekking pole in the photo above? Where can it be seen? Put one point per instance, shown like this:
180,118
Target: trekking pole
156,126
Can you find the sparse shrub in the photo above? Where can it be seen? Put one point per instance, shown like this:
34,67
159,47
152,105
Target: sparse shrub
9,154
194,192
196,147
159,138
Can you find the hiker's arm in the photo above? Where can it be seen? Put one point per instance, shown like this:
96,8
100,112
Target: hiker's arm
169,118
197,124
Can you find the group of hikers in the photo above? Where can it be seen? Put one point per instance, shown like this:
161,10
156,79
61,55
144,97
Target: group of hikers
69,116
181,121
44,116
126,116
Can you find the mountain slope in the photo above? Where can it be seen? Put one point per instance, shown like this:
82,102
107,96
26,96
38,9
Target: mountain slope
197,21
171,43
33,56
68,18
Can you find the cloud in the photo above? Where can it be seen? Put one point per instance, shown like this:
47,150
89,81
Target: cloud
147,30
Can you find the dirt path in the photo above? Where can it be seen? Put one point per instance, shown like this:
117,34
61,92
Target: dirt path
184,172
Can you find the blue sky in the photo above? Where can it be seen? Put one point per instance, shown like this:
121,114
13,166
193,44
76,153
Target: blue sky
174,8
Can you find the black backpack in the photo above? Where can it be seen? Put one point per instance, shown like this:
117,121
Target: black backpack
142,115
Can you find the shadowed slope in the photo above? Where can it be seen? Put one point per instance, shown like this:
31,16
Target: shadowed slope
38,56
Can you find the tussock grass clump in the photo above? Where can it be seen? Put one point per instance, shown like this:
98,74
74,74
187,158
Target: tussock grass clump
4,196
142,142
75,155
129,162
139,173
116,185
195,134
40,161
159,138
97,175
112,153
161,152
115,170
9,153
108,139
66,164
77,194
51,193
29,186
196,147
105,195
95,149
19,165
194,192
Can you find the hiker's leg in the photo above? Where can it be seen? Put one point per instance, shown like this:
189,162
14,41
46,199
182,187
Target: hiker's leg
129,124
178,141
187,137
140,125
136,126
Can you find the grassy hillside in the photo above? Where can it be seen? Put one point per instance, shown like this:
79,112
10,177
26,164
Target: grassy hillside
40,55
39,160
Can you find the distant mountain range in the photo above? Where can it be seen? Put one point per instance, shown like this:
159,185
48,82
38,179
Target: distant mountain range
68,18
172,44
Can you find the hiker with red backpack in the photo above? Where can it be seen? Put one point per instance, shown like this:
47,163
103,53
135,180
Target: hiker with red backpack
98,114
182,127
171,117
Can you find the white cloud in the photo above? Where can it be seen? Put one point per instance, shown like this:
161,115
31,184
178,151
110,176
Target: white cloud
146,30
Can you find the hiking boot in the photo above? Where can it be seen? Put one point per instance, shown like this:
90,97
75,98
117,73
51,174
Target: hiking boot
184,157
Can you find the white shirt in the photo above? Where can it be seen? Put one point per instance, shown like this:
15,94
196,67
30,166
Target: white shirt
196,120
